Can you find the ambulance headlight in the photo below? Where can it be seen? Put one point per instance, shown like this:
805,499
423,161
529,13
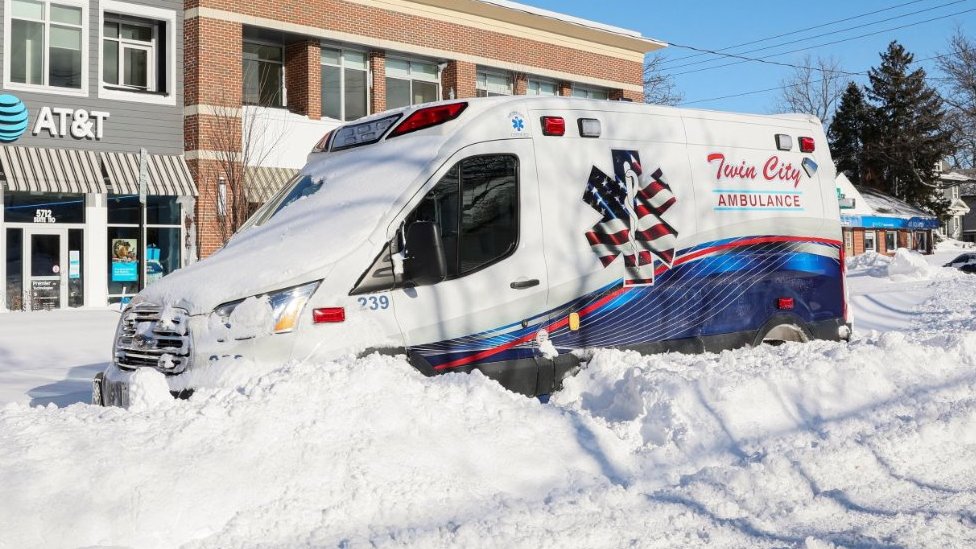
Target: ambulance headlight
286,306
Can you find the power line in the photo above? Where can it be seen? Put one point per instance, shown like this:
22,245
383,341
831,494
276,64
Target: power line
777,88
834,22
839,41
741,54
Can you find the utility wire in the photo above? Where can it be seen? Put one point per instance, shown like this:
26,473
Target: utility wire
742,54
839,41
830,23
777,88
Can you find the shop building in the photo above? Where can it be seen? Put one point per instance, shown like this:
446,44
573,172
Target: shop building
285,77
959,189
876,222
91,117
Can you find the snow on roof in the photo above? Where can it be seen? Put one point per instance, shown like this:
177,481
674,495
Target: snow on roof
887,205
562,17
956,176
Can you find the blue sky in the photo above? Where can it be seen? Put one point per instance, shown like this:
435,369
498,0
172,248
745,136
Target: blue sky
718,24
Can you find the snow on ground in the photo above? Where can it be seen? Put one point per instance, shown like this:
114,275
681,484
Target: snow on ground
868,444
52,356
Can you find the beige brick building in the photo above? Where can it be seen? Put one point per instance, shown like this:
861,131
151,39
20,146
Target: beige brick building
295,70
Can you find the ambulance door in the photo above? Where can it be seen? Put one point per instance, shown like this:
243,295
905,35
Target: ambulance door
485,204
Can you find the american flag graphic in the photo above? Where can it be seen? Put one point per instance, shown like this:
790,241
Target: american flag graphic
631,206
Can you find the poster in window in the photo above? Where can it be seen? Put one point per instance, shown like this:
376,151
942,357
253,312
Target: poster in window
125,260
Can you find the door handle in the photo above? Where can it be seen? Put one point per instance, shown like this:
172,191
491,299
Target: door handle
524,284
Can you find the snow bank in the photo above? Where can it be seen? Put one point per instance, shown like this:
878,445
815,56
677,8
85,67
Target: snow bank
909,264
867,444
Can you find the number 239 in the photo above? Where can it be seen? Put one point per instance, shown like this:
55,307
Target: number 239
374,303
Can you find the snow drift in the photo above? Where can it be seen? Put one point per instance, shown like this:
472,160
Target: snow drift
867,444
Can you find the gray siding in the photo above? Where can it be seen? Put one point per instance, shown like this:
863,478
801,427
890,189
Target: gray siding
969,220
158,128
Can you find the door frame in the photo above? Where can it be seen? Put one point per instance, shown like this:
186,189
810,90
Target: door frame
62,274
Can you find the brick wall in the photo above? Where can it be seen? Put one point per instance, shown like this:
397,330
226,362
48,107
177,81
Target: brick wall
461,78
377,23
377,63
858,241
303,78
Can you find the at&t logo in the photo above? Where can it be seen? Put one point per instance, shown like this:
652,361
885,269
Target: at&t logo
13,118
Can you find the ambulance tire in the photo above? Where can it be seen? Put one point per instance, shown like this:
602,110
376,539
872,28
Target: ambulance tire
780,330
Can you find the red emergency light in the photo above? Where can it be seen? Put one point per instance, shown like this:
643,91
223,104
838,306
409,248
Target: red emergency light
329,315
553,126
807,145
428,117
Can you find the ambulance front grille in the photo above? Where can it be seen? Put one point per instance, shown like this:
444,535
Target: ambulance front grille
144,340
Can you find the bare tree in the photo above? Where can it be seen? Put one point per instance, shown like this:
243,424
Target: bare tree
814,87
242,137
659,87
959,93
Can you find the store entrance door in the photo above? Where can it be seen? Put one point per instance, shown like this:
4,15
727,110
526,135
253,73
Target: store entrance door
45,269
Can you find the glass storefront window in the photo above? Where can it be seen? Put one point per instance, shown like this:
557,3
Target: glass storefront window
15,269
123,260
162,252
123,209
40,208
130,255
76,268
160,210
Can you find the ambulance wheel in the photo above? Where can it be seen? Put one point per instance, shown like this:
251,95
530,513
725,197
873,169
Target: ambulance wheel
778,332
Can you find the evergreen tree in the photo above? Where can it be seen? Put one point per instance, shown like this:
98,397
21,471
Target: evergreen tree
905,136
846,132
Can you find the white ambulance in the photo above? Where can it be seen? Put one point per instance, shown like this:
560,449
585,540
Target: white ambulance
507,234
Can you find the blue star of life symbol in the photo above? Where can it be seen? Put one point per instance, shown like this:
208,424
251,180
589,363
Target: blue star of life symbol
518,124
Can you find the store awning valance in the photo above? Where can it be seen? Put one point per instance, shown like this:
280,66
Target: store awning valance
168,174
260,184
51,170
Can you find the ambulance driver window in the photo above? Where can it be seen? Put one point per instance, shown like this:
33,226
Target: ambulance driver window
489,211
484,190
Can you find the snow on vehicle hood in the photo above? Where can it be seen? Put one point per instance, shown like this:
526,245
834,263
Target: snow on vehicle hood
362,190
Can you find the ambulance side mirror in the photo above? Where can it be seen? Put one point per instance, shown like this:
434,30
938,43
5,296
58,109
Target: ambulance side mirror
426,262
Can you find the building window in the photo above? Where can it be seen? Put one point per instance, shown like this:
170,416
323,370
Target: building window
264,75
870,241
542,87
127,256
590,93
411,83
344,84
493,84
46,42
891,241
131,53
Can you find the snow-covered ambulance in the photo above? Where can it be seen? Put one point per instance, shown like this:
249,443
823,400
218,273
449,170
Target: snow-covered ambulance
507,234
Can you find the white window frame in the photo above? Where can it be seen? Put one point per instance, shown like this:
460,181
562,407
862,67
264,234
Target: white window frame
140,11
437,79
342,78
124,43
496,73
538,81
589,90
874,240
45,88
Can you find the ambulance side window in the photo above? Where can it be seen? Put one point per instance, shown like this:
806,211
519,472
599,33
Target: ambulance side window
475,205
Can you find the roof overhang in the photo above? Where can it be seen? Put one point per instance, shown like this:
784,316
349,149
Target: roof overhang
551,22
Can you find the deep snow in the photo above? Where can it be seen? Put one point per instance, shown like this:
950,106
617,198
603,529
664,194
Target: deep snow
868,444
